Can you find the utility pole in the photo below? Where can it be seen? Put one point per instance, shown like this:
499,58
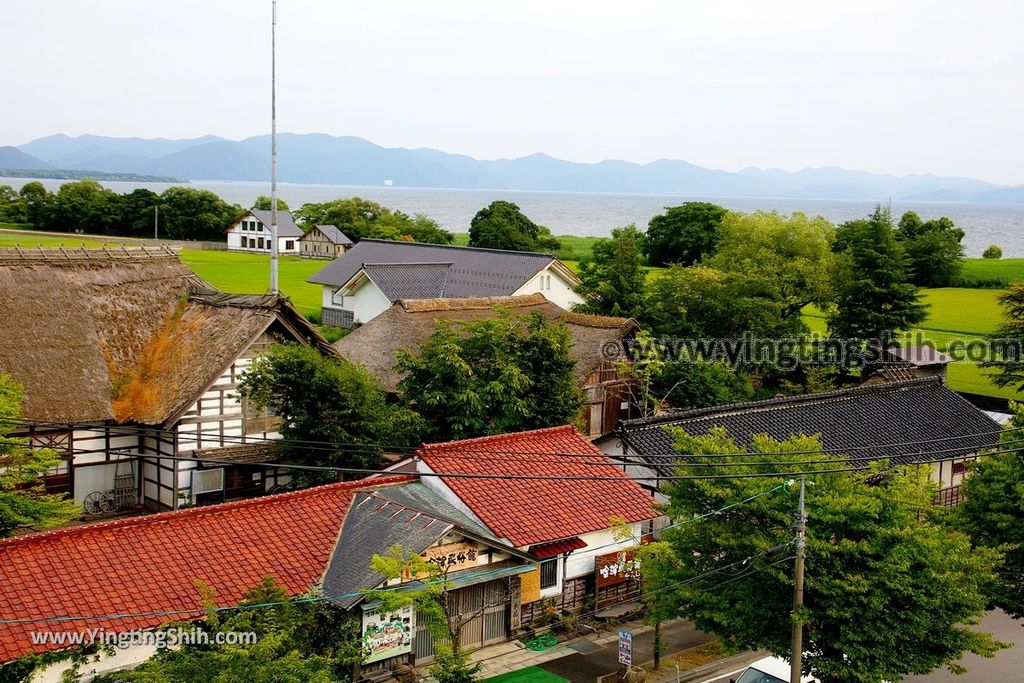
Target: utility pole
273,148
796,656
156,221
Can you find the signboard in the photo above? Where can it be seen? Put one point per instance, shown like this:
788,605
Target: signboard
387,634
452,556
614,568
626,648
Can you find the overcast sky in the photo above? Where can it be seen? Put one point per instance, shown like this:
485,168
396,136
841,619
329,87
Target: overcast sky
897,87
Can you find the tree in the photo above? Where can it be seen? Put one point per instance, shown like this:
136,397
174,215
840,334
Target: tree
613,281
785,262
993,251
360,219
36,199
696,383
890,589
435,607
188,213
1007,344
934,249
991,512
82,205
492,376
501,225
11,206
874,296
324,399
24,502
135,213
263,203
307,641
683,234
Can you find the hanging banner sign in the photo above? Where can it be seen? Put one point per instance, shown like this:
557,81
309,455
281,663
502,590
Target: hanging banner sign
626,648
612,569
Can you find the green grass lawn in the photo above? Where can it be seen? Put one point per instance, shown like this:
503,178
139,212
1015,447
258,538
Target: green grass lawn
531,674
250,274
990,271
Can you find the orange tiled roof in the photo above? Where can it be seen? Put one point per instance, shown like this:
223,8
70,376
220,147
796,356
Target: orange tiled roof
151,563
531,511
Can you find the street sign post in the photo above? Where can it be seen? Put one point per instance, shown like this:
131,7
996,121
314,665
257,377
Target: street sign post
626,648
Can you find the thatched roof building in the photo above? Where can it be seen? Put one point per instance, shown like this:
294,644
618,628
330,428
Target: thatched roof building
129,335
411,321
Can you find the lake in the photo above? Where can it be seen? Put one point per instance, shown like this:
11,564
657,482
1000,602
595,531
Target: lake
577,213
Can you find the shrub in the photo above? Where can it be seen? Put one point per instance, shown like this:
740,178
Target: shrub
993,252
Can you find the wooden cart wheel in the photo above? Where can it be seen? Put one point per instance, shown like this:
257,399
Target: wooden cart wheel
108,502
92,503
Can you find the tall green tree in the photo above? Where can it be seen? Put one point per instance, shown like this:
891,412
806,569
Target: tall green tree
874,295
890,589
502,225
36,201
934,248
324,399
24,503
697,383
683,234
991,512
263,203
613,281
492,376
361,219
1007,344
783,261
82,205
187,213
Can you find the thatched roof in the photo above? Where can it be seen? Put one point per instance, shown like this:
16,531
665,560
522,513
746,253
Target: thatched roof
128,336
409,322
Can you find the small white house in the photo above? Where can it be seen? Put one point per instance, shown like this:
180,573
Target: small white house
252,233
366,280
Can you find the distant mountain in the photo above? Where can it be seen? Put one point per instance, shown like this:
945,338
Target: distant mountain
12,157
326,159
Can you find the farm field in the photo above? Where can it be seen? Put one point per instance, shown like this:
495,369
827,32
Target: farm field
1005,271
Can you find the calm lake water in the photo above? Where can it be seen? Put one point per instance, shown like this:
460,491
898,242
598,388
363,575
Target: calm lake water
573,213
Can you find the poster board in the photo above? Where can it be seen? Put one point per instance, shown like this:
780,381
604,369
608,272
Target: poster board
529,586
387,634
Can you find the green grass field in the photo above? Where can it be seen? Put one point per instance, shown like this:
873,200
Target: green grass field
992,272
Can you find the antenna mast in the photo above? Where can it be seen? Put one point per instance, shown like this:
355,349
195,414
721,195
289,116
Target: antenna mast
273,148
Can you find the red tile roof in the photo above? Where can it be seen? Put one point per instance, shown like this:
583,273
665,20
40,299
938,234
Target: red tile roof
566,545
531,511
151,563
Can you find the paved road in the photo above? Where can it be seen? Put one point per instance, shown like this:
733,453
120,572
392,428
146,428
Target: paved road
1007,666
587,668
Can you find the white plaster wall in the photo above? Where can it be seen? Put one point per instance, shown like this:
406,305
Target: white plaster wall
367,303
98,664
559,293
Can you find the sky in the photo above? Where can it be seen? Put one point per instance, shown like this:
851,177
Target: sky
892,87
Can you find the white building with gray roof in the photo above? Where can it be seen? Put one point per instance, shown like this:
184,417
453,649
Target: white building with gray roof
368,278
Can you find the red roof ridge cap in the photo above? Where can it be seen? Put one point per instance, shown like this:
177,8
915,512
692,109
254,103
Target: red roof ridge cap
462,443
202,511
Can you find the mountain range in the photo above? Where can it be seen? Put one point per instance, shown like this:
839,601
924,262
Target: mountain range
324,159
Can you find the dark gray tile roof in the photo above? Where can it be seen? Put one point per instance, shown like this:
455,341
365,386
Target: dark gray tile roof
474,272
867,420
285,223
409,280
412,515
332,233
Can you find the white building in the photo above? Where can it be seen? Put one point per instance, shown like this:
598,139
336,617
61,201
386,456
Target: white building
252,233
366,280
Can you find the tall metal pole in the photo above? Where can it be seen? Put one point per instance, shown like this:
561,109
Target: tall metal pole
273,148
797,651
156,221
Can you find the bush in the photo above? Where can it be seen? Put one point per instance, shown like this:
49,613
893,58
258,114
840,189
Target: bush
993,252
